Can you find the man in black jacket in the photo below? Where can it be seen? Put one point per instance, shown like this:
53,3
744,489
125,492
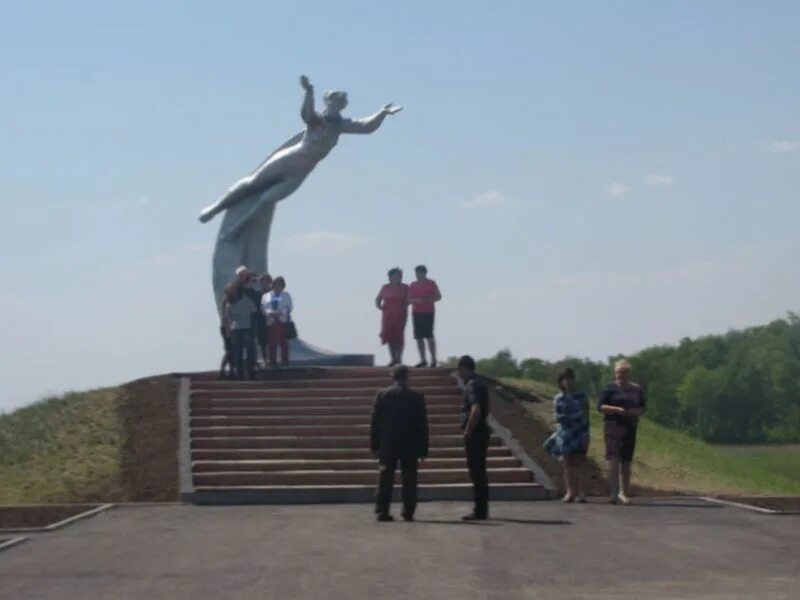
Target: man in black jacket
399,432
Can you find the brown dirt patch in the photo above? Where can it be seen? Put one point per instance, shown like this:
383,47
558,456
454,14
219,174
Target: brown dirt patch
29,517
788,504
531,433
148,409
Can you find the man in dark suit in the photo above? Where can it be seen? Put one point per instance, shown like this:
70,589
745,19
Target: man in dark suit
399,432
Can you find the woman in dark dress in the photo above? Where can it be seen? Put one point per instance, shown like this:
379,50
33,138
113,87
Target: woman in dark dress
622,403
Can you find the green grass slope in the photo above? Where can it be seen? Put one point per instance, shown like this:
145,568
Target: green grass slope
672,461
62,449
112,444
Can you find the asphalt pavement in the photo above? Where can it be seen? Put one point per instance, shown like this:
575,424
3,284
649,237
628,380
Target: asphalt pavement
658,548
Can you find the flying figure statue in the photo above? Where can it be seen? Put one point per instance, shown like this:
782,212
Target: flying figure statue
250,203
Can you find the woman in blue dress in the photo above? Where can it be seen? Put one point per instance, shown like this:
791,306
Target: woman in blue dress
570,441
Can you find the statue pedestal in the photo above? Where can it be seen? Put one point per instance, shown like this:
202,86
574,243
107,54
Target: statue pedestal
304,354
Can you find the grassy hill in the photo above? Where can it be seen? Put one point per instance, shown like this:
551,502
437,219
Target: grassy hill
61,449
110,444
671,461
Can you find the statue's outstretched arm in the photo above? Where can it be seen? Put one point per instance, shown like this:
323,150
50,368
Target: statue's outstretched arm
369,124
307,111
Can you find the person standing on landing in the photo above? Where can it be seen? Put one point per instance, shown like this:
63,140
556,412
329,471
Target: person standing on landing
277,305
622,403
265,287
474,415
392,301
238,315
253,290
423,294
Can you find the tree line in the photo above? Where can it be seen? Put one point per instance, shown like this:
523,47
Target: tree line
739,387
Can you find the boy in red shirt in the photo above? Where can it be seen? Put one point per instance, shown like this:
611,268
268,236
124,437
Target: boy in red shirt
423,294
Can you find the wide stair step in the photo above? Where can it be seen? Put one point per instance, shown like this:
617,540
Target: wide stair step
348,477
302,435
329,494
346,464
353,454
325,373
309,412
364,403
313,392
451,429
312,442
358,420
376,383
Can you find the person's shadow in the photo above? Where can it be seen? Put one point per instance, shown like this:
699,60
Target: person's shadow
534,521
644,503
464,523
495,522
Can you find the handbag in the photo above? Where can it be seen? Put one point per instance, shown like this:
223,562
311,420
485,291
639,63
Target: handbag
291,330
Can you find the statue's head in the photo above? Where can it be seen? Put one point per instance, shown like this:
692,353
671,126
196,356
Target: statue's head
335,100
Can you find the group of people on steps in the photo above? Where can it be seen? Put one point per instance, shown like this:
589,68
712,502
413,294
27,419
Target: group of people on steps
256,311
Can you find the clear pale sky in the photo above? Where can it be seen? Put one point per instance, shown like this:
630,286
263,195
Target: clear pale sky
580,177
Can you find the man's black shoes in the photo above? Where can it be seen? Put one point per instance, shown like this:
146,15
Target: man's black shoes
408,518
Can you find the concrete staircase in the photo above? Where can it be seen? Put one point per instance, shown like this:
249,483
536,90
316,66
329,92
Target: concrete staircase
302,436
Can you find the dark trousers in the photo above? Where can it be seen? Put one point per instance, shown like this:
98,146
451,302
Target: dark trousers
244,353
227,358
408,468
276,336
477,448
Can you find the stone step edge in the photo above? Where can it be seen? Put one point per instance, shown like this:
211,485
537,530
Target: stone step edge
363,440
378,382
364,398
308,430
432,389
367,487
323,449
341,411
494,452
360,494
323,461
287,420
344,409
320,370
373,470
202,456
